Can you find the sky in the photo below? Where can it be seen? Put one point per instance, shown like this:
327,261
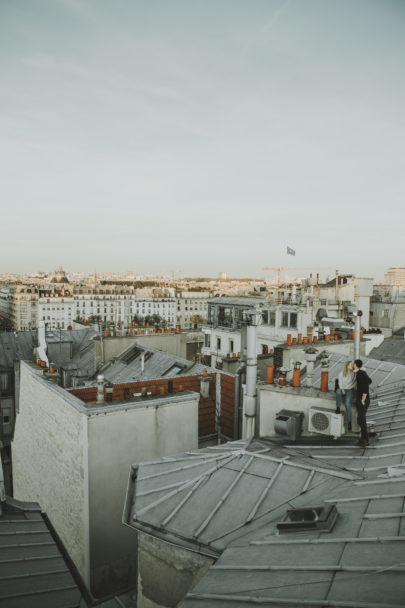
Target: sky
202,136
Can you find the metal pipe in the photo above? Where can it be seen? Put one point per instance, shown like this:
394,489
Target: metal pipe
251,375
100,388
237,405
357,331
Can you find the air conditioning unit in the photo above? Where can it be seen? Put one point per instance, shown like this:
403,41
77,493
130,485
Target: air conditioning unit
324,421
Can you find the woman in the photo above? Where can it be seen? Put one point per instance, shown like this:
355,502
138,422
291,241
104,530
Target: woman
347,382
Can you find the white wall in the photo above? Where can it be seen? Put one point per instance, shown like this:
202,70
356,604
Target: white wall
50,460
273,399
74,460
118,439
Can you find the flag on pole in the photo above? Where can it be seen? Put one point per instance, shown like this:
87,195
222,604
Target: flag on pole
290,251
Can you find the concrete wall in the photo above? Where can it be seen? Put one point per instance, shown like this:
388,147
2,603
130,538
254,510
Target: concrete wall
166,572
117,440
50,460
273,398
388,314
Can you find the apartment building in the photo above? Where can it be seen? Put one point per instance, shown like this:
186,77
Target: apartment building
192,308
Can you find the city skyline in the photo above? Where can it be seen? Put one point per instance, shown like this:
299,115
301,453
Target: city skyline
203,136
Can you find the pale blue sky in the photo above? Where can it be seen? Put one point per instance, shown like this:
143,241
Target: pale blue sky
202,135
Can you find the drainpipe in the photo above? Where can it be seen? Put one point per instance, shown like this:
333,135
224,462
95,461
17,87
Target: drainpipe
101,344
251,375
357,331
238,381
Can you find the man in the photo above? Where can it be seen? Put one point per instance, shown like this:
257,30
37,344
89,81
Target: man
362,400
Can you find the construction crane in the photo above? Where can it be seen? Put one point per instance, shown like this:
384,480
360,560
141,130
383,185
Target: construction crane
278,270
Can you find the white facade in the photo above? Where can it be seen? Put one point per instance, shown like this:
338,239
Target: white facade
24,308
191,304
164,307
56,312
74,460
277,321
6,297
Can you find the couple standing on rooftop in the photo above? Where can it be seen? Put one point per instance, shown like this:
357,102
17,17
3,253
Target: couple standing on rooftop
354,377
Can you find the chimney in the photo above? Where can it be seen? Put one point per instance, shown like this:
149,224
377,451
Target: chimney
109,389
324,374
270,374
310,356
297,374
100,388
357,334
251,375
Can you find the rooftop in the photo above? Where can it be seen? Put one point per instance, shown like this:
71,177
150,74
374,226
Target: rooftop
34,570
227,501
144,363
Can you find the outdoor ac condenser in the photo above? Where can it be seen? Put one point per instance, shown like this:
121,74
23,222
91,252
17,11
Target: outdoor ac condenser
324,421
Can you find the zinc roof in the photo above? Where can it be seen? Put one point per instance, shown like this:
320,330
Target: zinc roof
128,366
33,571
360,563
382,373
205,499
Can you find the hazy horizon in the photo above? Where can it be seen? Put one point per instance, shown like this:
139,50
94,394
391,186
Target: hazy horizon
202,136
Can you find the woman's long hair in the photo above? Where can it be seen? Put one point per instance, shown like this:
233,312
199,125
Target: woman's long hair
346,368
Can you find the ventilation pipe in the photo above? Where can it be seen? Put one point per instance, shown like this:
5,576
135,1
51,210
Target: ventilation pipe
142,362
205,385
100,388
357,334
251,375
310,356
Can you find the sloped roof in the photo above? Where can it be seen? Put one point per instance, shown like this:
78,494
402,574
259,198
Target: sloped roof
381,372
127,367
16,345
359,564
190,499
34,573
392,349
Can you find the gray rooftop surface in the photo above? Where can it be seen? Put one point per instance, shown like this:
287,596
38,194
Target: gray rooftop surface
225,502
360,563
127,367
392,349
16,345
381,372
33,571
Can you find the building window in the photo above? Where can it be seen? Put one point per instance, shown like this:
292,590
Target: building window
284,319
231,346
293,320
218,343
207,340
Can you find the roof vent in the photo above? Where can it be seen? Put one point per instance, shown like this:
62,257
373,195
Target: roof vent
309,518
